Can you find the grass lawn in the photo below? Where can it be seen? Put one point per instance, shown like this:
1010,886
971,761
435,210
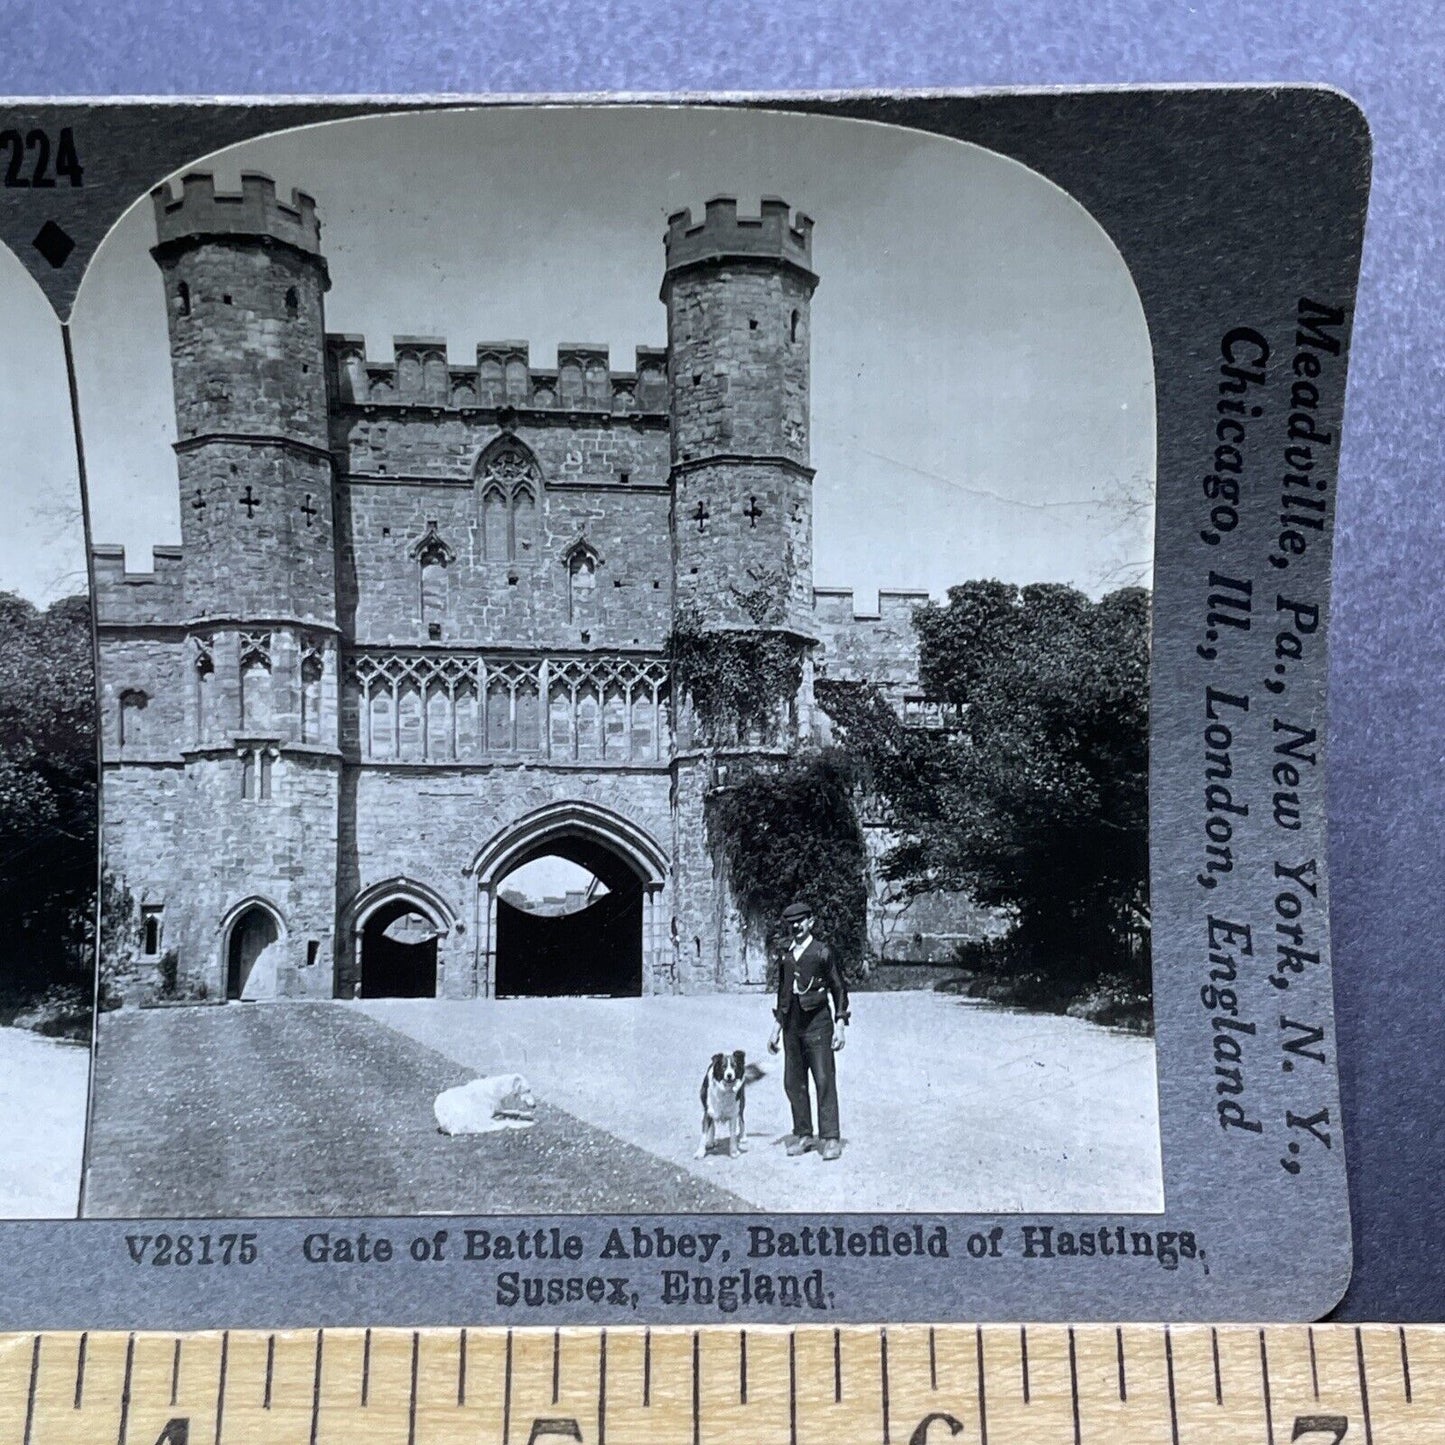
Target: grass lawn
314,1108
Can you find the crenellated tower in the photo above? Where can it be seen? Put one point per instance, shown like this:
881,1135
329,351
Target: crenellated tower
244,282
738,292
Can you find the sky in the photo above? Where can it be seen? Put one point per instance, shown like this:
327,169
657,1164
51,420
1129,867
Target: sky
982,393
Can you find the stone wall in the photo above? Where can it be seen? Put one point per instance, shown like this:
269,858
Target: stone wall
531,600
427,826
881,647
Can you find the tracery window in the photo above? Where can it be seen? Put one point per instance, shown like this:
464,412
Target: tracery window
510,482
458,707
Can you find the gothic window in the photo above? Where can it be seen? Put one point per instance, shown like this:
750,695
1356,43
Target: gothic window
293,303
257,773
409,723
511,486
499,716
433,556
589,723
207,722
133,703
438,725
529,718
183,299
255,659
311,670
644,726
614,724
150,925
582,560
793,326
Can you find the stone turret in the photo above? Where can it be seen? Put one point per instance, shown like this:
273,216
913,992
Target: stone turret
738,292
244,281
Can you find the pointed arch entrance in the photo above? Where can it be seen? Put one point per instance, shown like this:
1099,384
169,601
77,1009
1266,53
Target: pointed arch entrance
603,947
254,937
397,927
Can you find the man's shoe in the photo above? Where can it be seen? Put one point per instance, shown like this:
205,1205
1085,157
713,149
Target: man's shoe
799,1144
832,1149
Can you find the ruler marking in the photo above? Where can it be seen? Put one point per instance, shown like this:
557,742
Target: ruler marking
696,1388
221,1386
132,1410
80,1370
1268,1402
1169,1371
982,1392
30,1393
506,1394
837,1367
602,1390
1364,1386
366,1369
316,1392
793,1387
1074,1386
883,1375
411,1403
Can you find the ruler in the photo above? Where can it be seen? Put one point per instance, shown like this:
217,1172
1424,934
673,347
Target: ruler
899,1385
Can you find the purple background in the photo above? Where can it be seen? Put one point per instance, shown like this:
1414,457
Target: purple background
1388,652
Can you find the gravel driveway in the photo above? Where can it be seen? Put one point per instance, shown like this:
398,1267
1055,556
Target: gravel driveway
315,1108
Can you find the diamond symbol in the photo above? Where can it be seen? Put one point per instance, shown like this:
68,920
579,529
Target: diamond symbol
53,244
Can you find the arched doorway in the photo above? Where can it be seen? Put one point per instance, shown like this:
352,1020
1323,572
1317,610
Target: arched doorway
585,945
252,951
599,943
398,947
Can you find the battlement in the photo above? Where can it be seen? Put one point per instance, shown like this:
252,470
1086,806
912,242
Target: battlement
503,376
722,235
122,596
201,211
836,605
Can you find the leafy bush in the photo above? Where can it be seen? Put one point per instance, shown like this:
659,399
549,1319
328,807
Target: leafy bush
789,832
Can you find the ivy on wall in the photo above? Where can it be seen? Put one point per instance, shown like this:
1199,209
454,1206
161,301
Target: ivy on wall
791,831
735,680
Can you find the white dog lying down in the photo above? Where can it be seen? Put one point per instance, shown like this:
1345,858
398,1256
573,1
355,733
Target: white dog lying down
500,1101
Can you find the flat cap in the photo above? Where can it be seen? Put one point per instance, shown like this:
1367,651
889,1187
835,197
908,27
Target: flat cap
797,909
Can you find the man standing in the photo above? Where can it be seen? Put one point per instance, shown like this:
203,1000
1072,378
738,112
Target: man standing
810,1032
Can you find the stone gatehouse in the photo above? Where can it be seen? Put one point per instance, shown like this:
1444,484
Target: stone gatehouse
414,636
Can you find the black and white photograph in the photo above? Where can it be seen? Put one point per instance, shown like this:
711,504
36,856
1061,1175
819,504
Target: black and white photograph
700,767
48,771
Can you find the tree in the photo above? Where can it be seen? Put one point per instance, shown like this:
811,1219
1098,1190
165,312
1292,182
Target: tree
48,783
1038,801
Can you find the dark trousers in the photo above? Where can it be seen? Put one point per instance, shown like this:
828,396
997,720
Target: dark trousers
808,1049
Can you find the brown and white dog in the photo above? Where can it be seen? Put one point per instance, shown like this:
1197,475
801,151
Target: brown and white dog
724,1101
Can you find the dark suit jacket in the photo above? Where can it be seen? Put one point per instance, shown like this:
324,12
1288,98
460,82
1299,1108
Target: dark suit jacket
811,979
